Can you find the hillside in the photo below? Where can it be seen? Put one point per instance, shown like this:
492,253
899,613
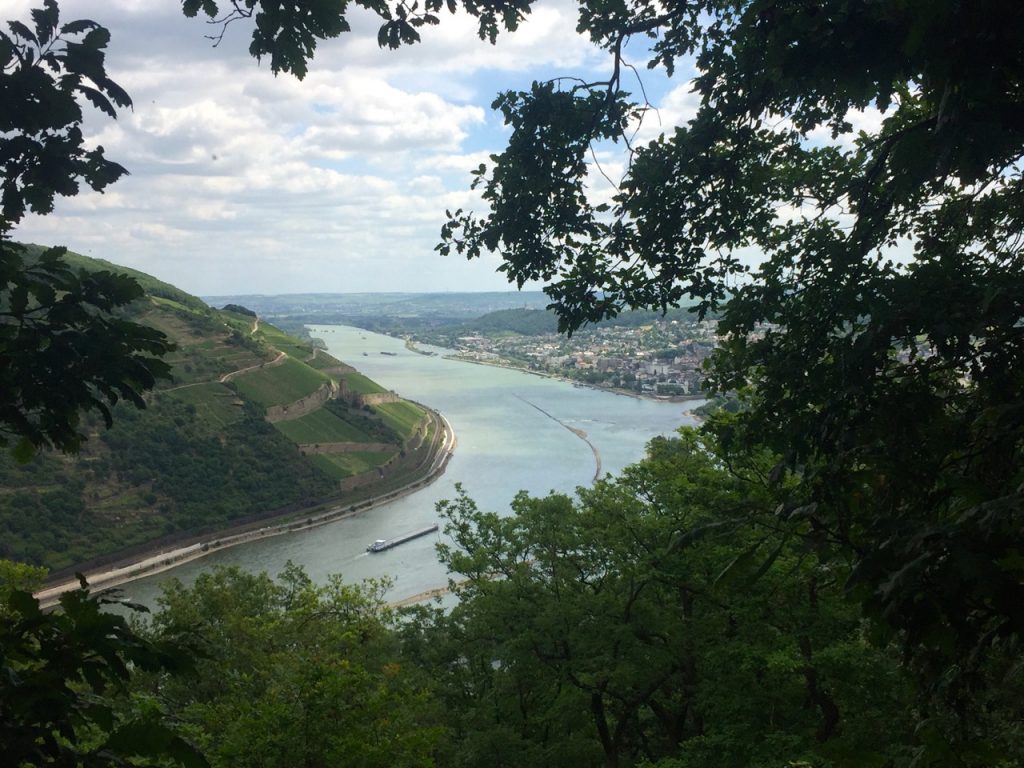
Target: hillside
254,424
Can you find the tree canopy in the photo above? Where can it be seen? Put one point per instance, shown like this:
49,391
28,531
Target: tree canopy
63,350
870,289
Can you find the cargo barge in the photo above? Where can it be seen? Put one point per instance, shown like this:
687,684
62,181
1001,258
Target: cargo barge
381,545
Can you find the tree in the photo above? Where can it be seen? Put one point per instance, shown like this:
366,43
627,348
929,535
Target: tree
880,336
63,687
63,349
294,674
635,624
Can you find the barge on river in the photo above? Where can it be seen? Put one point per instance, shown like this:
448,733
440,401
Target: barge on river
381,545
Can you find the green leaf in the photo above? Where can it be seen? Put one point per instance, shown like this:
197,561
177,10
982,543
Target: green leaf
738,567
97,99
98,37
24,603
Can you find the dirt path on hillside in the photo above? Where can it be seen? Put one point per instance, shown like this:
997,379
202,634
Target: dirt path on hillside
281,356
228,376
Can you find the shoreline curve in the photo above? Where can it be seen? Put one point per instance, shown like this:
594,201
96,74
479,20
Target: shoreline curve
159,561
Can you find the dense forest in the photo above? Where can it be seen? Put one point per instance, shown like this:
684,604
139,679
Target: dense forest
187,474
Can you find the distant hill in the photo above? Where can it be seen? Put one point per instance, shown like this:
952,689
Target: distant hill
526,322
428,316
255,423
463,305
391,313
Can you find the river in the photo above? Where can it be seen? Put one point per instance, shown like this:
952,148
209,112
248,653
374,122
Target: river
513,431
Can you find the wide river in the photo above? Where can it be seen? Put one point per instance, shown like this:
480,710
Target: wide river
505,444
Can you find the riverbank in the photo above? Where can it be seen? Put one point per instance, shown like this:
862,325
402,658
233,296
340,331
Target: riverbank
159,560
575,382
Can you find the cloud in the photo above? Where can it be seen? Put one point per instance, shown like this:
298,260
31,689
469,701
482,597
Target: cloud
244,182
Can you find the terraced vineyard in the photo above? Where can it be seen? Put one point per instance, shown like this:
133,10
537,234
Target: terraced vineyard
278,339
403,417
214,403
204,454
280,384
361,385
324,426
342,465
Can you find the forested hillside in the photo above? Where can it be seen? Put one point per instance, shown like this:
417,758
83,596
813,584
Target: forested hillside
216,444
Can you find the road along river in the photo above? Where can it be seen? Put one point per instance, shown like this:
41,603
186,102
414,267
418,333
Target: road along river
515,431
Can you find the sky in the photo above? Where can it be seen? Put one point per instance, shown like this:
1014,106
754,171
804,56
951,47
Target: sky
242,182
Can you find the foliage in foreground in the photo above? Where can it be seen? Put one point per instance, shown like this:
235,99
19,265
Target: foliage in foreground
291,673
63,349
668,617
661,618
64,682
635,625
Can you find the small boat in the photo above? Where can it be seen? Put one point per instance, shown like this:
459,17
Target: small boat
390,354
381,545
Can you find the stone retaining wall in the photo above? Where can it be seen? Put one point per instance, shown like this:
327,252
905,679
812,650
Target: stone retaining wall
415,451
310,448
376,398
304,406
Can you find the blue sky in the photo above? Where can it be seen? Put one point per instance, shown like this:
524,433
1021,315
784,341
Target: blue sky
246,183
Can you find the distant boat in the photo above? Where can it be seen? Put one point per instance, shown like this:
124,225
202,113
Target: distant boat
381,545
390,354
365,354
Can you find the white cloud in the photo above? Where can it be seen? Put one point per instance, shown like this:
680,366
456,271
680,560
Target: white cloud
243,182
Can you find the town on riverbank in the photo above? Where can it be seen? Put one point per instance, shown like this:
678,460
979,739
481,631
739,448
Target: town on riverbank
641,353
